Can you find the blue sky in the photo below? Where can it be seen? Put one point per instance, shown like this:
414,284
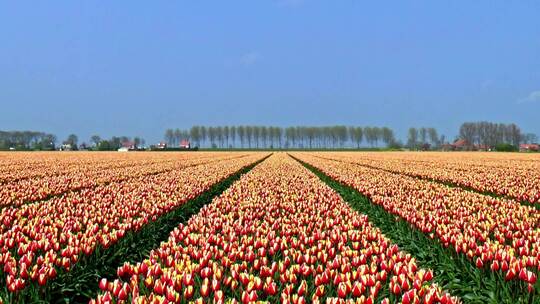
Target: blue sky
138,67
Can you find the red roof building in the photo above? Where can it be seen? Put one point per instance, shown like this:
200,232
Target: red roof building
529,147
185,144
482,147
461,145
129,144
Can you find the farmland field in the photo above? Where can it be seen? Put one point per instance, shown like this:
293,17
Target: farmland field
296,227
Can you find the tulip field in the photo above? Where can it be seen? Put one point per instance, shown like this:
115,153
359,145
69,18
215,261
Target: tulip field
42,240
514,176
499,236
262,227
278,235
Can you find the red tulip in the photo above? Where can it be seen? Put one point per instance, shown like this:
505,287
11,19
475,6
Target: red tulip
42,279
245,297
188,280
218,296
479,263
172,295
123,294
158,287
206,272
510,274
103,284
205,288
319,291
342,290
302,288
409,297
357,289
188,292
395,289
495,265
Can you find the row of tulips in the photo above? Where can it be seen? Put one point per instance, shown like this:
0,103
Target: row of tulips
512,175
494,233
88,175
278,235
25,165
38,240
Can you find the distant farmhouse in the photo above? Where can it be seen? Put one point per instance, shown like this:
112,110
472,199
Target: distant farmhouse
529,147
465,145
185,144
66,147
462,145
128,146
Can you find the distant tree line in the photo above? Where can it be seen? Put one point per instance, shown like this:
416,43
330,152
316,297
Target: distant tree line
339,136
418,138
99,144
493,134
27,140
34,140
114,143
303,137
277,137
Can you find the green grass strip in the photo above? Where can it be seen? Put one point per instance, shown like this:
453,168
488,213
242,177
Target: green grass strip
80,284
454,272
